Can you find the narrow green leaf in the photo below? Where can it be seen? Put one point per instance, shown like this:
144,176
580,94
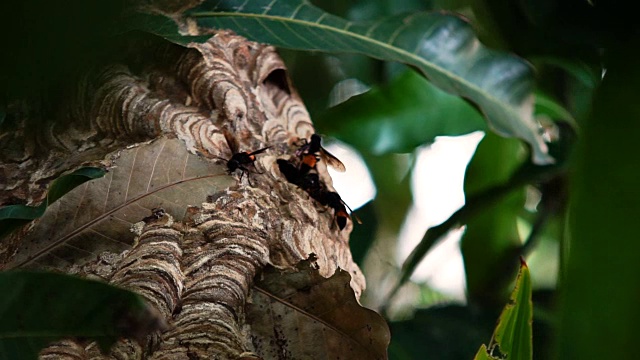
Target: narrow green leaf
442,46
489,242
14,216
392,177
483,354
37,308
513,337
59,187
599,304
475,204
513,333
545,105
491,237
490,180
66,183
584,72
400,116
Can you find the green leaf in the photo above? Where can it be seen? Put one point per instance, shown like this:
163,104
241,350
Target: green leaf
582,71
483,354
400,116
512,338
477,203
315,75
14,216
545,105
492,237
489,172
66,183
442,46
599,304
37,308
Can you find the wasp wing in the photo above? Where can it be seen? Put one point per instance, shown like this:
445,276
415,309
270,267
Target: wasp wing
332,161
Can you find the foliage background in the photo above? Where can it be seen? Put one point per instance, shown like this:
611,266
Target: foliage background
425,326
571,44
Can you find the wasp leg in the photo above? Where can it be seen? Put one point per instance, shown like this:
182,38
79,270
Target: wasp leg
244,170
256,172
249,178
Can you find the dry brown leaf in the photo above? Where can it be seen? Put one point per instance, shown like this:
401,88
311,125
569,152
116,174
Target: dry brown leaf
97,216
298,314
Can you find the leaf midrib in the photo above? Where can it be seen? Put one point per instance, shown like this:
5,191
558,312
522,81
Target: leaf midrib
363,38
312,316
83,227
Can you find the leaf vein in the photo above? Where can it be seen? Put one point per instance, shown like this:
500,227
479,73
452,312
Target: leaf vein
387,47
268,7
94,221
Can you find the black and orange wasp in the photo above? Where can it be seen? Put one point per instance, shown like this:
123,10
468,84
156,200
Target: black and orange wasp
312,151
240,160
333,200
310,182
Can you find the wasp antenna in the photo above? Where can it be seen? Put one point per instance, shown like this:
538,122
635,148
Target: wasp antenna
357,218
352,213
259,151
345,204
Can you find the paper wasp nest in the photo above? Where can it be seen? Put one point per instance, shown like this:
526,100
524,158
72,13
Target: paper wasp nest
161,120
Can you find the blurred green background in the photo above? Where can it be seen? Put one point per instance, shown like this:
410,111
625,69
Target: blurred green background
583,271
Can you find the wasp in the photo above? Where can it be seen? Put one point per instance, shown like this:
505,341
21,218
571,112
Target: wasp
290,172
240,160
310,182
307,181
333,200
312,151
